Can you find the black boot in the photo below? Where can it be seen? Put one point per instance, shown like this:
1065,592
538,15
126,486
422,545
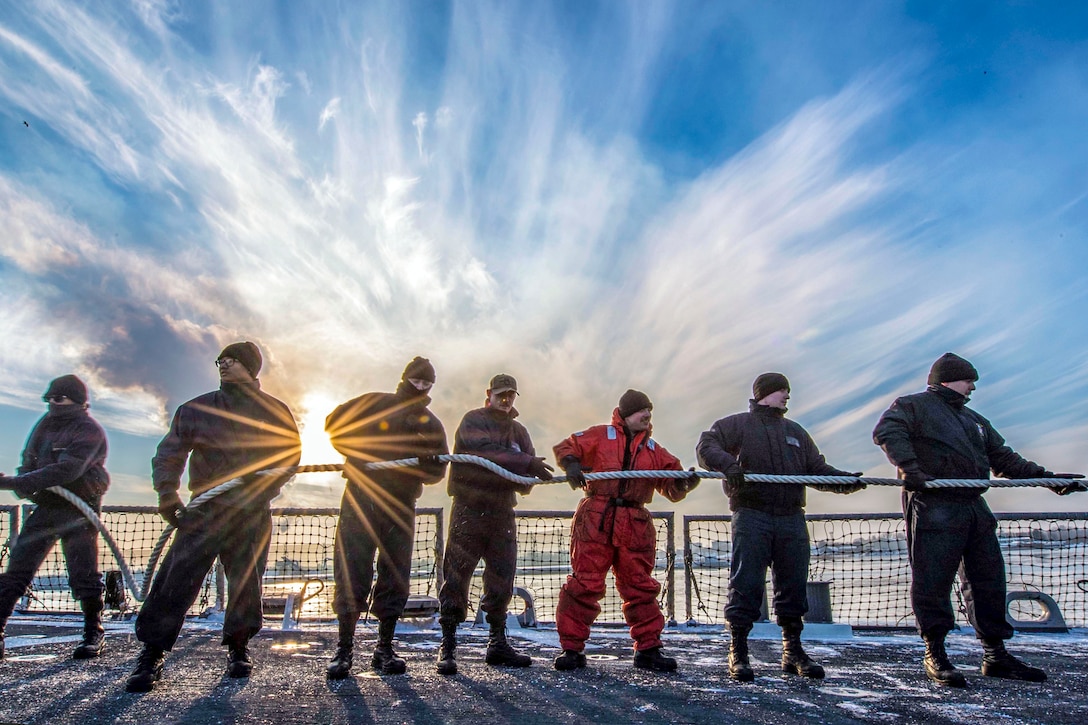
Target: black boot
94,636
499,651
239,663
570,660
148,670
938,668
652,659
739,667
447,664
6,608
997,662
340,666
385,660
794,658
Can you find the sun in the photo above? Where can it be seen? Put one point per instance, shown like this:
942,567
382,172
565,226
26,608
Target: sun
316,447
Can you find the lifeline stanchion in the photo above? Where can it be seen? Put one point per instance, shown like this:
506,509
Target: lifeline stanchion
140,593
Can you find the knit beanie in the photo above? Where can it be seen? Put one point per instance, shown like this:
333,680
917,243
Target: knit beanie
633,401
950,368
420,368
69,386
246,353
768,383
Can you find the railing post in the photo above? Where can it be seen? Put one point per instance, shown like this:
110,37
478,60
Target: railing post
688,570
439,548
670,560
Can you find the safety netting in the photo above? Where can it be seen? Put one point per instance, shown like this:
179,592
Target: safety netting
860,567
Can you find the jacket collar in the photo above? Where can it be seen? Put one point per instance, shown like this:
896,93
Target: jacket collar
948,395
765,411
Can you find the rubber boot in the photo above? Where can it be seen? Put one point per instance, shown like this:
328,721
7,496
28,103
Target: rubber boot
94,635
794,658
938,668
385,660
239,663
148,670
447,664
998,662
652,659
570,660
740,668
499,651
340,666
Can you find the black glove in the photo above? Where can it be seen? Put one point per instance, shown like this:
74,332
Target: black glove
171,508
852,487
684,485
734,479
539,469
914,480
1076,487
575,476
430,460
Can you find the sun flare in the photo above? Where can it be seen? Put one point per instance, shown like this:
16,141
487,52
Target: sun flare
316,447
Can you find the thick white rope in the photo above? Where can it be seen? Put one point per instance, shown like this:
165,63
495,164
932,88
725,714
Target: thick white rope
140,593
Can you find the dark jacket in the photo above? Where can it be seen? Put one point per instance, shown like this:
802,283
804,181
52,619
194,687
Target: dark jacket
231,432
385,427
66,448
764,441
936,433
496,436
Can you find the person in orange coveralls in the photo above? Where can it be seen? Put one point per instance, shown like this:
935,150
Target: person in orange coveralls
613,530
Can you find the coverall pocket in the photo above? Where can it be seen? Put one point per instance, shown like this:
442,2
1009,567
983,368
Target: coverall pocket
591,524
635,530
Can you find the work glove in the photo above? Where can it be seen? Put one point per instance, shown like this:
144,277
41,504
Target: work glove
539,469
575,476
914,480
842,488
1075,487
171,508
853,487
684,485
734,479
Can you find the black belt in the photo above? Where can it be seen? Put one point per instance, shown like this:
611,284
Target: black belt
625,503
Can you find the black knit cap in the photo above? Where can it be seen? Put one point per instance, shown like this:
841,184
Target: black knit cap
246,353
768,383
69,386
949,368
633,401
420,368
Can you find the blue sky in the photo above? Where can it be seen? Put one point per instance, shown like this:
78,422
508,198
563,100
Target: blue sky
668,196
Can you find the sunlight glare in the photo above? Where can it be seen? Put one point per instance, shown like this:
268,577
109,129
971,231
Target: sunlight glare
316,447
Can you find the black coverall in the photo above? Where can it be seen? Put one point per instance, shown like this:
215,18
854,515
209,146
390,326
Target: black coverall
377,513
482,522
949,529
66,448
768,524
232,432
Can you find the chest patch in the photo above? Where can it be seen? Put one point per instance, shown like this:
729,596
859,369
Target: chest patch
791,441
